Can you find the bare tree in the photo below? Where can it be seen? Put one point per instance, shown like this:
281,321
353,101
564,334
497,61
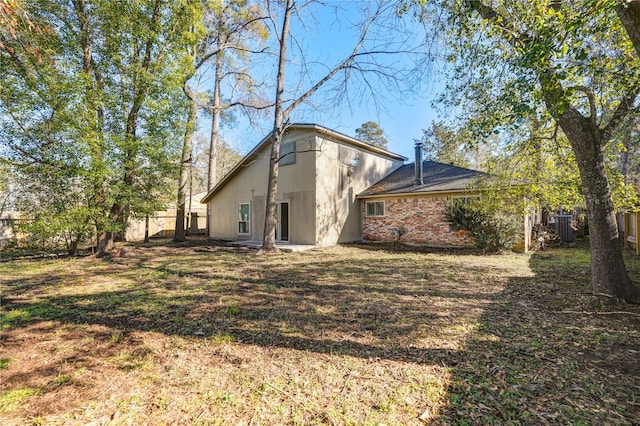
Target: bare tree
361,59
229,28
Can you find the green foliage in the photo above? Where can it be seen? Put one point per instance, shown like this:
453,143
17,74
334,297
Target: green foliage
624,156
492,230
93,130
4,363
514,63
57,212
12,398
452,145
67,229
541,167
371,132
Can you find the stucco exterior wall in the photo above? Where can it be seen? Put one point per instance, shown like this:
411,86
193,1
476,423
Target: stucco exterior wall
321,188
223,219
249,185
343,172
413,219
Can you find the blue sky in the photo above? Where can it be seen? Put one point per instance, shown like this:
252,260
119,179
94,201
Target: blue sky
326,35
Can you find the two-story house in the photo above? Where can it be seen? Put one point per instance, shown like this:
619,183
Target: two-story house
321,173
333,188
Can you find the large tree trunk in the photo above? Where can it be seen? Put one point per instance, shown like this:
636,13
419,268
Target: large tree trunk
608,272
123,199
93,86
104,244
214,139
629,14
270,222
185,165
212,175
106,236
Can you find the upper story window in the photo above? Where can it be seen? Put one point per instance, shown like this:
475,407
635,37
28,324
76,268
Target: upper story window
287,154
375,208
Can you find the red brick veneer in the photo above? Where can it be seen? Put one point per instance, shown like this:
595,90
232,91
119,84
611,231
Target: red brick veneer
418,220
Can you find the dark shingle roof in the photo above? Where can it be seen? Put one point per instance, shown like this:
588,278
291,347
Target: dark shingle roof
437,177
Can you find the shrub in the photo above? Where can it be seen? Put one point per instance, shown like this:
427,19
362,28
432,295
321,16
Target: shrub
491,229
51,230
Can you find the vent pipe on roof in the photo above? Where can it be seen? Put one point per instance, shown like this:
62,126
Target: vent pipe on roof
418,165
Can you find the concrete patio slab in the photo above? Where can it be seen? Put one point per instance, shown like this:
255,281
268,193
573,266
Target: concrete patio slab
285,247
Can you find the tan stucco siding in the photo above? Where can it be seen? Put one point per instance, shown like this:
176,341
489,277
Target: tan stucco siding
295,185
321,188
246,187
343,172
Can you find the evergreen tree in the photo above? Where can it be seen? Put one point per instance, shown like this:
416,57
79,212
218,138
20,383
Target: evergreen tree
371,133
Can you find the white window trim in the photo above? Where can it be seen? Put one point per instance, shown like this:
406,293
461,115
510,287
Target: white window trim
248,222
366,208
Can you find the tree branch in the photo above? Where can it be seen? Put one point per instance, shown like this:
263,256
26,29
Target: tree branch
593,107
629,13
553,92
621,112
337,69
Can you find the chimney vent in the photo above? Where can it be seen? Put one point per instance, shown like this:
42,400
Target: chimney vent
418,165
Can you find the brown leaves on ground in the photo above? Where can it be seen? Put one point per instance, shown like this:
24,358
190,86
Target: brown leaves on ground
202,333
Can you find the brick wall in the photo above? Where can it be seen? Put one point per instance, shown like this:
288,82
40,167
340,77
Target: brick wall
418,220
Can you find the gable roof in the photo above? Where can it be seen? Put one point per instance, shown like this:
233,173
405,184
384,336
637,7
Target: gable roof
264,143
436,177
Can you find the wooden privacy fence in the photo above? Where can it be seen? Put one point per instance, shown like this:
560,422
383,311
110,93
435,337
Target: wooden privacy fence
631,226
161,224
8,230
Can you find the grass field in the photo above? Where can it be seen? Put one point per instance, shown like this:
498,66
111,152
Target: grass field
201,333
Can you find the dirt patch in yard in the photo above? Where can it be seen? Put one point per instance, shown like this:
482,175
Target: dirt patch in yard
202,333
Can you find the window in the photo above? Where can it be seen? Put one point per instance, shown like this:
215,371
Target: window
288,154
244,215
375,208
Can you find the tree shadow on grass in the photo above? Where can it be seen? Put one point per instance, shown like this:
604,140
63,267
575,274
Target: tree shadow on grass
549,352
518,344
376,308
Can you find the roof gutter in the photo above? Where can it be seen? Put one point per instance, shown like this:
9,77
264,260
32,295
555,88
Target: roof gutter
418,193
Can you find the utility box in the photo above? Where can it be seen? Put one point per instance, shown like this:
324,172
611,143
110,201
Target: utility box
563,227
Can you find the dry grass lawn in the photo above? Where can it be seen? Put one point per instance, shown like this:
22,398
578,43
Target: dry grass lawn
201,333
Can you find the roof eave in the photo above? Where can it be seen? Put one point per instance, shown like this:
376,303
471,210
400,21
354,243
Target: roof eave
415,193
320,129
242,163
352,141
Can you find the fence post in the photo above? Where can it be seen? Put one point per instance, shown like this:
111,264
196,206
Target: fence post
194,223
